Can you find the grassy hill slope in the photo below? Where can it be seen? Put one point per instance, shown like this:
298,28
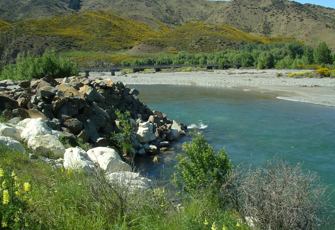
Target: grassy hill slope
90,30
106,31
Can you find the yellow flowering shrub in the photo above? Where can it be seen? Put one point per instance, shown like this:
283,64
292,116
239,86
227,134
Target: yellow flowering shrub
323,72
14,197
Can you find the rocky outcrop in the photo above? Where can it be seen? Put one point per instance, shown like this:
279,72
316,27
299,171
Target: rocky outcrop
108,160
85,108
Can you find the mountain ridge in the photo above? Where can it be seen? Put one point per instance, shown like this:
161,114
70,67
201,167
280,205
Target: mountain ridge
273,18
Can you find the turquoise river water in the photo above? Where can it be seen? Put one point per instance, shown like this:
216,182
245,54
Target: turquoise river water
252,127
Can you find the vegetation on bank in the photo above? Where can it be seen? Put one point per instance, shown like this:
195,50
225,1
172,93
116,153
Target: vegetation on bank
28,67
218,197
280,56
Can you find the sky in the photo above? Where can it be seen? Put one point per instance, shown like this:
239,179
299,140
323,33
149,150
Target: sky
328,3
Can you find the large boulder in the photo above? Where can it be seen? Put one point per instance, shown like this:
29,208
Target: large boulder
8,130
12,144
77,159
129,181
145,132
108,159
34,127
47,144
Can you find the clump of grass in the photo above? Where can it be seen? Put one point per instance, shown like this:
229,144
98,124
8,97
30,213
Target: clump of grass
28,67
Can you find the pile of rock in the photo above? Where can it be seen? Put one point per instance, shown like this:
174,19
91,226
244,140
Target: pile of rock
43,140
83,108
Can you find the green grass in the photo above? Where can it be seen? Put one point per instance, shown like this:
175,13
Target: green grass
72,200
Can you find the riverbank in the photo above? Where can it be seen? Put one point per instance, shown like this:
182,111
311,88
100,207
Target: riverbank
310,90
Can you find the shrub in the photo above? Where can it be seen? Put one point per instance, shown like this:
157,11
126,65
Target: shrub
281,197
122,139
265,61
300,74
49,64
332,73
201,167
322,54
323,72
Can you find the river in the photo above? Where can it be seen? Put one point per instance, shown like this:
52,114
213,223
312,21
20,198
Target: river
252,127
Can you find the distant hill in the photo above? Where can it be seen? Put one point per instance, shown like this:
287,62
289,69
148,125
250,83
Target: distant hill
157,25
305,22
106,31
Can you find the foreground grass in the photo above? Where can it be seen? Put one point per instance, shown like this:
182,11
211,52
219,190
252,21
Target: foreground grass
67,200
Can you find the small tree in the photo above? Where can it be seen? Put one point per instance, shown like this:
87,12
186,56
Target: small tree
200,166
265,61
322,54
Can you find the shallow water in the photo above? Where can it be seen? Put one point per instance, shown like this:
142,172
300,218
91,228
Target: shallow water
252,127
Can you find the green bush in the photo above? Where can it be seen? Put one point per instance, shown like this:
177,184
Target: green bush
332,73
49,64
201,167
322,54
122,139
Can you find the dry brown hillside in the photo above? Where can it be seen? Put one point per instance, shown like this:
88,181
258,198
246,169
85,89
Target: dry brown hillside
279,18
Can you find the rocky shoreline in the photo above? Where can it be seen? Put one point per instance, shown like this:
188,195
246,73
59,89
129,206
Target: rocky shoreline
52,116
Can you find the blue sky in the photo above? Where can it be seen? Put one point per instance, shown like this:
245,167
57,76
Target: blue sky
329,3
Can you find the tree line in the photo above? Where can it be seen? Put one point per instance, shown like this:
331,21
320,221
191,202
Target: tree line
292,55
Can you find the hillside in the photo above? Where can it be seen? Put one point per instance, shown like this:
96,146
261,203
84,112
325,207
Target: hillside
104,31
307,22
280,18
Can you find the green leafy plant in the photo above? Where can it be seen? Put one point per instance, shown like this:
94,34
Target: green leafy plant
201,167
49,64
122,138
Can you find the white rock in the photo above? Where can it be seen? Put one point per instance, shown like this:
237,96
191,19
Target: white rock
108,159
46,144
176,130
145,132
76,158
12,144
10,131
129,180
33,127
